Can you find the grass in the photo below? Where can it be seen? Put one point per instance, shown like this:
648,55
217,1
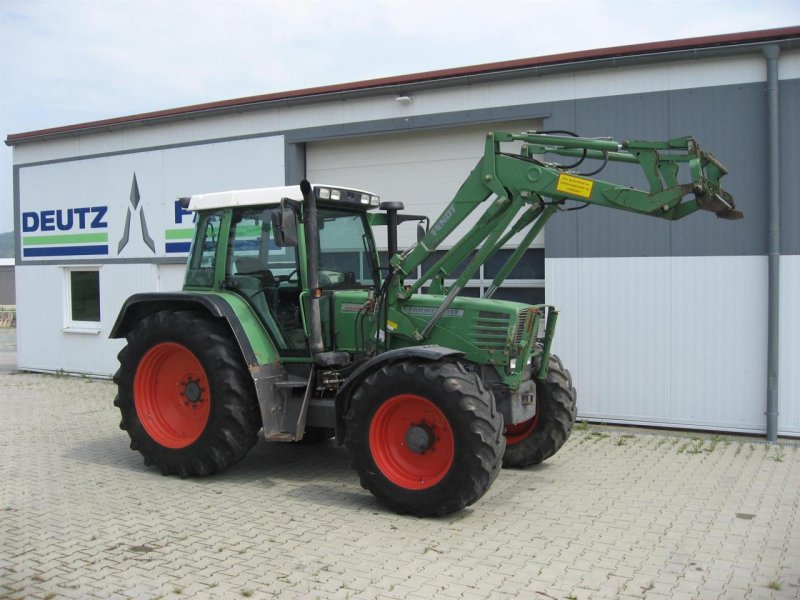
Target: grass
775,585
779,454
715,441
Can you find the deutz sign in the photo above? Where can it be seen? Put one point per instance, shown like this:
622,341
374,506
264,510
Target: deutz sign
87,231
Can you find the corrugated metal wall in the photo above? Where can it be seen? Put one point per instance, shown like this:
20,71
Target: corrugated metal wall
667,341
423,169
789,382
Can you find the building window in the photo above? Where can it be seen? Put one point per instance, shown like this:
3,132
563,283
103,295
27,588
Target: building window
82,306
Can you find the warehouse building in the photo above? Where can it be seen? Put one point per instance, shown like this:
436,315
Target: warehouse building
690,323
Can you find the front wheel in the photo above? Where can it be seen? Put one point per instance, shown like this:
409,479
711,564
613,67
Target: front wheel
186,398
425,437
531,442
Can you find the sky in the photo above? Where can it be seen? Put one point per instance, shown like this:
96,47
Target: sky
70,61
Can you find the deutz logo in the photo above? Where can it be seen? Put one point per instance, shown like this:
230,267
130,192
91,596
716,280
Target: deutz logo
135,197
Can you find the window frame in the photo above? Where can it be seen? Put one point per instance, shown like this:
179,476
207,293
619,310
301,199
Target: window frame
72,325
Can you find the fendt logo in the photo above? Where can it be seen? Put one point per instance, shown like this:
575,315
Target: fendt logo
178,240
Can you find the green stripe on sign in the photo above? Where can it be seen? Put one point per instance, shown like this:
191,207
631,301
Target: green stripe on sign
69,238
248,231
179,234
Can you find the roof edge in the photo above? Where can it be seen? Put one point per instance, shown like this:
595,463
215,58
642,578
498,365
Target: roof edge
699,43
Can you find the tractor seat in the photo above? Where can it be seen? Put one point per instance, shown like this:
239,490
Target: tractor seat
250,265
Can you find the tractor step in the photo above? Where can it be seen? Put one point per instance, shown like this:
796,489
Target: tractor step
292,381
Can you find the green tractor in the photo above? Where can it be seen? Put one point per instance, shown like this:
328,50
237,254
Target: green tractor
289,324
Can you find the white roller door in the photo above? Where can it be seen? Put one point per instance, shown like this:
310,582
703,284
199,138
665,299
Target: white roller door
424,170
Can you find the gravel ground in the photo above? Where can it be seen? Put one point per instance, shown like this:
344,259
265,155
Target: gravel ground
8,349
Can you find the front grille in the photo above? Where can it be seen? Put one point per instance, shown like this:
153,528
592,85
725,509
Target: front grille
491,330
522,320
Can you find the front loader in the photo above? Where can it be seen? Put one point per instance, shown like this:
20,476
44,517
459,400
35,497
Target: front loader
288,325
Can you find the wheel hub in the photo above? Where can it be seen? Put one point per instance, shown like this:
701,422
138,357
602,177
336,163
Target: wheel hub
419,438
192,391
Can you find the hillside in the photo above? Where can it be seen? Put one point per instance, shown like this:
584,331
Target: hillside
7,244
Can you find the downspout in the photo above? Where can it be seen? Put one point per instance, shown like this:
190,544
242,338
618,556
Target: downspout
773,244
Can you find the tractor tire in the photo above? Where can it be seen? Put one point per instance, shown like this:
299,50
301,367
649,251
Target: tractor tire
187,400
536,440
425,437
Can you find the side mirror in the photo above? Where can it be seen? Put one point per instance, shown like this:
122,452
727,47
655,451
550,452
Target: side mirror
284,225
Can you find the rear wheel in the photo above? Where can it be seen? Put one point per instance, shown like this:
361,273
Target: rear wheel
425,438
186,399
533,441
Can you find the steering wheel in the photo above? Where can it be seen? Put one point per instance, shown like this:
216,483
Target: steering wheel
290,275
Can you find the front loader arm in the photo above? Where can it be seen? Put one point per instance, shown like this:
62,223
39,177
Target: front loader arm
660,162
526,190
526,181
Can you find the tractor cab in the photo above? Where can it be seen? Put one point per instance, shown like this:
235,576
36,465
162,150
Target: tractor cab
253,243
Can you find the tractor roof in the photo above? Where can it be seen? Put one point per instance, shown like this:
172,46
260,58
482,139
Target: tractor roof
259,196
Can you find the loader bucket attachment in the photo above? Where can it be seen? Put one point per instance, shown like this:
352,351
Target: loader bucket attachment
721,203
707,187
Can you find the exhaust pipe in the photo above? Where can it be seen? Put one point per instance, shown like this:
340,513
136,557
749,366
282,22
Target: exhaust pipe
312,257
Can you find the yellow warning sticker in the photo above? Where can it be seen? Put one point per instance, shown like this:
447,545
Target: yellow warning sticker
576,186
391,325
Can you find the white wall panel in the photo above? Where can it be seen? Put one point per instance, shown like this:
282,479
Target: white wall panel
424,170
170,277
789,382
666,341
43,342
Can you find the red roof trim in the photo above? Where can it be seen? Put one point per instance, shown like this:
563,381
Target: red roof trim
766,35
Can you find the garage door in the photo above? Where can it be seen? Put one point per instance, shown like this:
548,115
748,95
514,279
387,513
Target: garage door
424,170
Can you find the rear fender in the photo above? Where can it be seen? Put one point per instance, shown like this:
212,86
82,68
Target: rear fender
256,346
424,353
259,353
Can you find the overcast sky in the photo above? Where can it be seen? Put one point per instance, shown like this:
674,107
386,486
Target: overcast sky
70,61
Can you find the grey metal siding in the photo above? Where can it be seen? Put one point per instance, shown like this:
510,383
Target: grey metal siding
727,120
731,122
790,166
8,290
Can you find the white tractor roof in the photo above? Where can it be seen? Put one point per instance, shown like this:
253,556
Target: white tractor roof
273,195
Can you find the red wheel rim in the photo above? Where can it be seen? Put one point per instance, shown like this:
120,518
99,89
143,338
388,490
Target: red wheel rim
171,395
519,431
407,415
